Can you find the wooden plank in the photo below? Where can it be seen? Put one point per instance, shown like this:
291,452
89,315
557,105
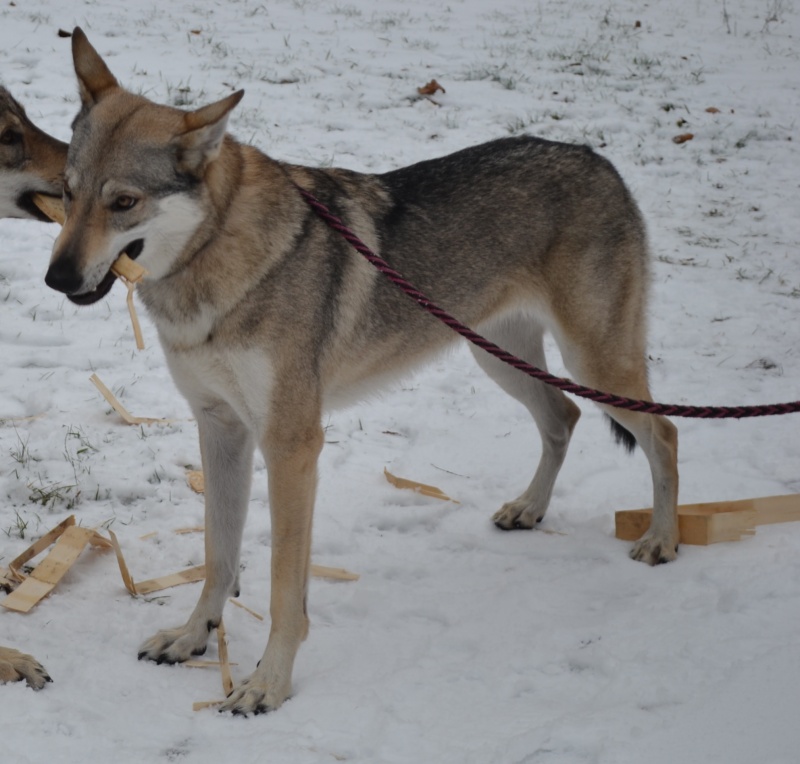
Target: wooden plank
777,509
39,546
65,552
713,522
336,574
188,576
49,571
27,594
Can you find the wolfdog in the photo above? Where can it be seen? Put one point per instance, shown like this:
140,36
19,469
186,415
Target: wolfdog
267,317
31,162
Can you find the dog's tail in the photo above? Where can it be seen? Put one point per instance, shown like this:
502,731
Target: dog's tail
622,436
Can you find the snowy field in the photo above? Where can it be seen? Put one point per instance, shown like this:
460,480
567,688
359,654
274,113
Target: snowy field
459,643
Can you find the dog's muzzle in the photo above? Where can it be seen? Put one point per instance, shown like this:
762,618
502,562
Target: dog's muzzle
63,276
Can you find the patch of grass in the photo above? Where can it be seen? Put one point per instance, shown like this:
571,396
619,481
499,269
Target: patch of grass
744,140
21,453
18,527
50,495
182,95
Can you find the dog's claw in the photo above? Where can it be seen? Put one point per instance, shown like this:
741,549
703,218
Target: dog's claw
519,514
16,666
254,697
654,552
175,645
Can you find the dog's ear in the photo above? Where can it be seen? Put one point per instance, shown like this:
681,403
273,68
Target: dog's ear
204,129
94,77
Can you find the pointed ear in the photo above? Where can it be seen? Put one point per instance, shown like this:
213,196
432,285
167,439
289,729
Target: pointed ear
94,77
201,140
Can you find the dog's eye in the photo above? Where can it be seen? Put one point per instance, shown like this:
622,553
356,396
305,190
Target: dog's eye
10,137
124,202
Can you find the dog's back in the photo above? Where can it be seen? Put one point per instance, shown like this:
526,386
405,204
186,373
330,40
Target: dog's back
518,225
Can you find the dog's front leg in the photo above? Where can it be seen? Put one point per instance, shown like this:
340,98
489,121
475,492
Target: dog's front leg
15,665
226,447
291,451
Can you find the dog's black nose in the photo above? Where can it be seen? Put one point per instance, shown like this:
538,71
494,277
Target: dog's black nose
63,276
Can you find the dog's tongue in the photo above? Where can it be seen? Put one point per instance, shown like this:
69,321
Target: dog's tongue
51,206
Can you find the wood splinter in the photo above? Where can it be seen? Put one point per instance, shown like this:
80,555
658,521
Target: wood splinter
52,206
111,399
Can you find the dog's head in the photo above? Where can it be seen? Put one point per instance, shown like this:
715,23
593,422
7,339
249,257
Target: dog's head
136,180
31,162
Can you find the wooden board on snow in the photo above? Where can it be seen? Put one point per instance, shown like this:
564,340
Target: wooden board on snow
712,522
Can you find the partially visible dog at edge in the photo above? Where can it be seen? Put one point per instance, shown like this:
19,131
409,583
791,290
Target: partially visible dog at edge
31,162
267,317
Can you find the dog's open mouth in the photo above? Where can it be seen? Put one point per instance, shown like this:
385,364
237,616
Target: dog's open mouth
132,250
26,204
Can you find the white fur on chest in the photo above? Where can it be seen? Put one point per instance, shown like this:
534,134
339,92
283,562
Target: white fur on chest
241,378
190,333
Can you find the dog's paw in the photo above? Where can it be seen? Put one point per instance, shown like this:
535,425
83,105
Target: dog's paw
255,696
517,514
654,550
15,666
176,645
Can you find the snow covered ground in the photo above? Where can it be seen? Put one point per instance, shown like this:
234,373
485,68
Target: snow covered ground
459,643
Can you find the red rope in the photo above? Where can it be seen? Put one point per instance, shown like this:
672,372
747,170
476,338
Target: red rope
567,385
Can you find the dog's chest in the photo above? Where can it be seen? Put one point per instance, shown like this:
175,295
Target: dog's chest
242,378
181,332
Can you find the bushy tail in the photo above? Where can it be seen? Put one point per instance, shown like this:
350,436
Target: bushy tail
622,436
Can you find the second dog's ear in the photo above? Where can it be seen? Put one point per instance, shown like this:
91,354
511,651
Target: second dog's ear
94,77
199,144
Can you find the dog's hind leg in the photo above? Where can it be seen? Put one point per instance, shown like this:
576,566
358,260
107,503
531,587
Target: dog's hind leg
598,360
227,448
555,415
658,438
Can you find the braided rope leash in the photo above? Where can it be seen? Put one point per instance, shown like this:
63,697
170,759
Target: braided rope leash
567,385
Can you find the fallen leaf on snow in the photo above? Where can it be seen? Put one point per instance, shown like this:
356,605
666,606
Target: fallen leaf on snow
432,88
425,490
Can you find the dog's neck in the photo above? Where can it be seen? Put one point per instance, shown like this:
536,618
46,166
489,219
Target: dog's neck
241,192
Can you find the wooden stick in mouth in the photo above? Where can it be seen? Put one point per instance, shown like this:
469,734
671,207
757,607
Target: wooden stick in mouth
126,270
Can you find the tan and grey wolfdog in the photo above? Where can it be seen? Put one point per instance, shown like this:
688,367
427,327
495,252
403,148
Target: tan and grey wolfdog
267,317
31,162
